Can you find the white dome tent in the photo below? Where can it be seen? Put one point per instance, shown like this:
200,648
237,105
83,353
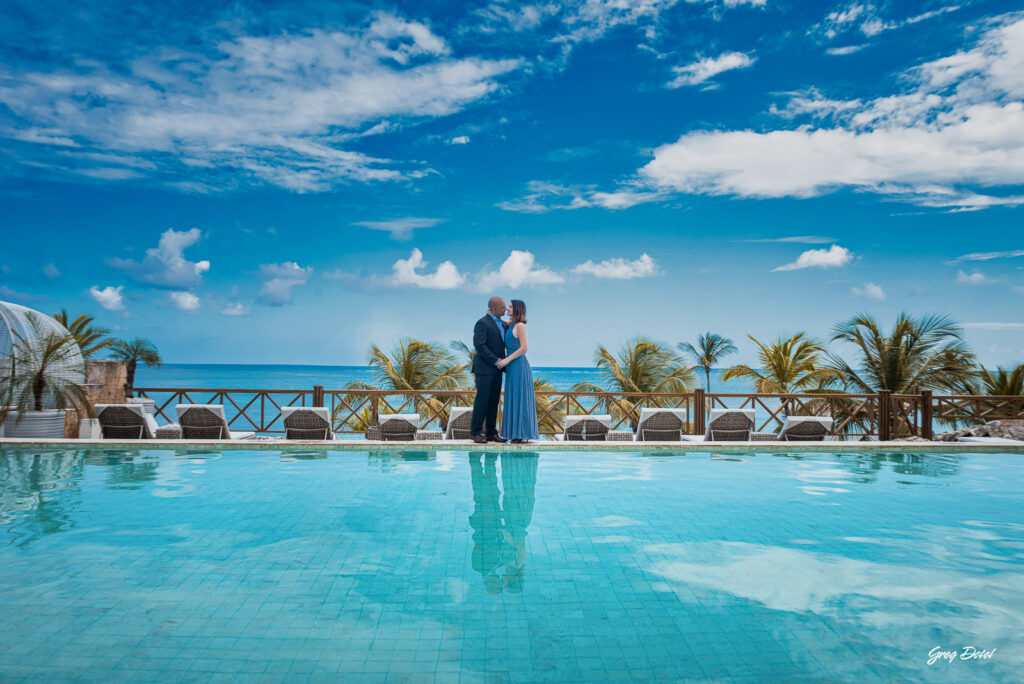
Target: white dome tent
17,321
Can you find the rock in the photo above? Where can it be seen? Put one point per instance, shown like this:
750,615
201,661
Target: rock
1006,429
915,438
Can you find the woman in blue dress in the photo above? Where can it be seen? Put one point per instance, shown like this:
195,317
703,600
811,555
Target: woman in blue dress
519,417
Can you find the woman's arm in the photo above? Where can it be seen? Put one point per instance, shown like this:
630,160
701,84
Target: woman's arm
520,332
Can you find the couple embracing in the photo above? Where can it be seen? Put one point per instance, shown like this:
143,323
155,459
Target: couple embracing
501,350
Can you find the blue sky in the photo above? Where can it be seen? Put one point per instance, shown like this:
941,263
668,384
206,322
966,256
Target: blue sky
247,182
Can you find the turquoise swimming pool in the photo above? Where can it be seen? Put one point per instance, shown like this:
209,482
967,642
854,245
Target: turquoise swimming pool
462,566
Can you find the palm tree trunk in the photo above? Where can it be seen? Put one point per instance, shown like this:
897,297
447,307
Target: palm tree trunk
129,385
37,393
707,375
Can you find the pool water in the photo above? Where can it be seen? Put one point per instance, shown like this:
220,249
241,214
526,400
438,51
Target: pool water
456,566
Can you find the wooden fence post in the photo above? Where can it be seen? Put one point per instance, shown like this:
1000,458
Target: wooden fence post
318,395
926,414
884,415
698,411
374,407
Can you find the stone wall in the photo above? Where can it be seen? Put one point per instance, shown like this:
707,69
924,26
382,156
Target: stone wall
104,384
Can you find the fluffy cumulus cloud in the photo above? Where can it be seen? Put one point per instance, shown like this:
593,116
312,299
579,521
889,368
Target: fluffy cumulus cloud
520,269
408,272
185,301
619,268
165,265
459,140
707,68
833,257
278,109
869,291
110,297
280,280
957,129
402,228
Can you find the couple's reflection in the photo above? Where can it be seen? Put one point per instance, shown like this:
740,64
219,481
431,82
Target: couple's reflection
499,524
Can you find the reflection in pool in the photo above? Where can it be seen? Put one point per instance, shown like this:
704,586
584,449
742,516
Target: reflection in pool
509,566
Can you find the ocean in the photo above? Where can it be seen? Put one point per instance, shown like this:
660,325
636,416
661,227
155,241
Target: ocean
238,376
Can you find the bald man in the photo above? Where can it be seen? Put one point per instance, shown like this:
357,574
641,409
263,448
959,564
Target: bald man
489,342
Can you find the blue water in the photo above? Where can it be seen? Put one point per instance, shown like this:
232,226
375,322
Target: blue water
239,376
456,566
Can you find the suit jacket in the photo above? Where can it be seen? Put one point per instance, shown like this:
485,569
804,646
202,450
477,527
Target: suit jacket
490,346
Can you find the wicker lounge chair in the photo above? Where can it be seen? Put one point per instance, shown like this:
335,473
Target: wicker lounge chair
798,429
395,427
586,428
132,421
460,419
730,425
660,425
206,421
306,422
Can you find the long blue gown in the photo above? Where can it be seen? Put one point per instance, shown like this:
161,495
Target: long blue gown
519,416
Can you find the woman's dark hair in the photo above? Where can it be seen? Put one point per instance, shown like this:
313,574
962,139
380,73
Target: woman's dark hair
518,311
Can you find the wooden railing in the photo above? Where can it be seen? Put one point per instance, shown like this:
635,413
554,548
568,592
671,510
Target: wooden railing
855,416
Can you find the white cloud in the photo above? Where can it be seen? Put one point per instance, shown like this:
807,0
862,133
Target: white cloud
166,264
995,326
799,239
709,67
186,301
445,277
620,268
402,228
542,197
279,281
518,270
961,124
988,256
459,140
51,271
869,291
274,109
235,309
845,50
109,297
975,278
832,257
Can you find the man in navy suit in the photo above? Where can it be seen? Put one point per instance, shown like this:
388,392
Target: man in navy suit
489,342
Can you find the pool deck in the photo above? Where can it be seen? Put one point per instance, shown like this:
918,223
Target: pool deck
276,444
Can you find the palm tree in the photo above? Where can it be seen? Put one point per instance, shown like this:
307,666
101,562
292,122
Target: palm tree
918,353
708,351
411,365
42,364
132,352
642,365
460,347
1002,382
91,340
787,365
553,422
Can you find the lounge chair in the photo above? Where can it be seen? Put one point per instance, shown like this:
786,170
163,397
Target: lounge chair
798,429
587,428
132,421
306,422
460,419
660,425
206,421
395,427
729,425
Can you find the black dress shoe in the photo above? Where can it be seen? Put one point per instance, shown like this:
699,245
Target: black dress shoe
496,438
477,439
